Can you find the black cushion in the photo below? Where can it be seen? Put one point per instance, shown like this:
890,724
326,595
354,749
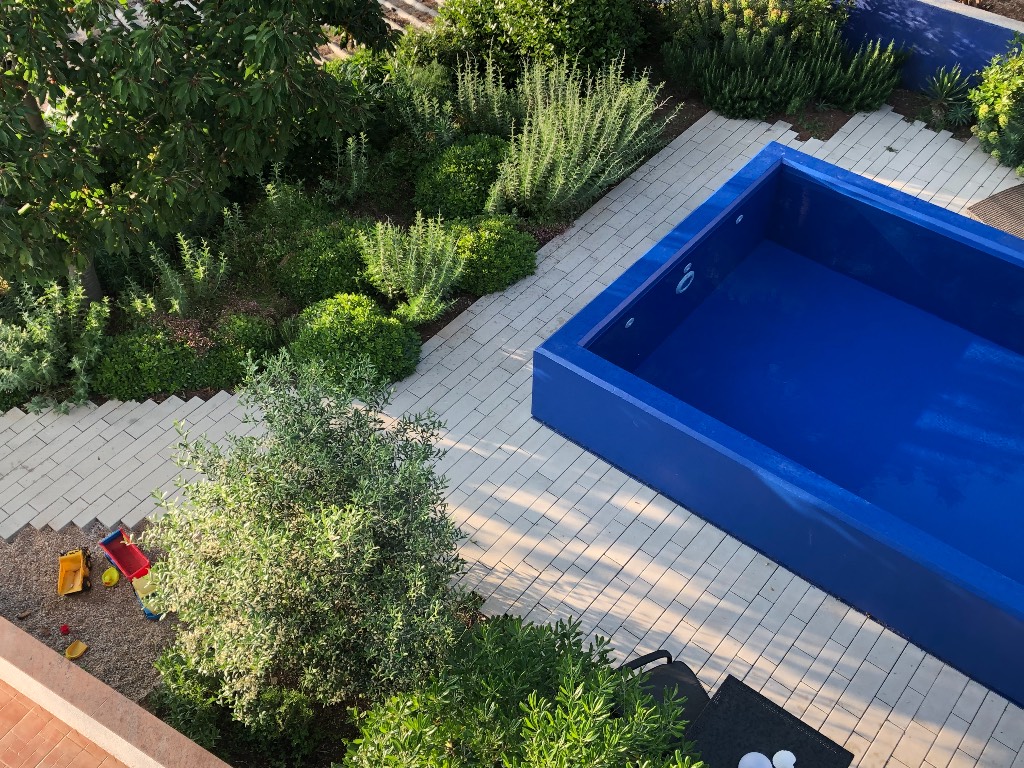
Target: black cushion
662,678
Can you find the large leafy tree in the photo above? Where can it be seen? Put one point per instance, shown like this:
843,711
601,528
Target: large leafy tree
119,119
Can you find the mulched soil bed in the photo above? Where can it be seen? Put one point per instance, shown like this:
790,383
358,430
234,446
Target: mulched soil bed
459,304
691,110
122,643
1011,9
815,122
914,105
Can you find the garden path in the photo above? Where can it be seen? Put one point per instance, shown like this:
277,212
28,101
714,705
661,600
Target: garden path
555,532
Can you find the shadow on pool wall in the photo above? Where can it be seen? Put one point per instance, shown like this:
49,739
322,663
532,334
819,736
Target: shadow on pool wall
833,372
939,33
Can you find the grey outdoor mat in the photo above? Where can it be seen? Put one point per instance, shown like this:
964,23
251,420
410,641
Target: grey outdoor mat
1004,210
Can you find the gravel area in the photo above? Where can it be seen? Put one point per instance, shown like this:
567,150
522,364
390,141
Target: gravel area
123,644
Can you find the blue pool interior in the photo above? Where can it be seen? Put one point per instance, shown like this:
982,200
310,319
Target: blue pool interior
881,355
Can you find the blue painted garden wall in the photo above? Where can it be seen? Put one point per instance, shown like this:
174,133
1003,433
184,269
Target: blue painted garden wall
940,32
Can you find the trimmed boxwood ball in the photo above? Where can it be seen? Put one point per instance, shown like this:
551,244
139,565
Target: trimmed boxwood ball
324,262
457,182
340,330
496,254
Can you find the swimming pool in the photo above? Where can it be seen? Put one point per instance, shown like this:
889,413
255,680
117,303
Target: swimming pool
833,372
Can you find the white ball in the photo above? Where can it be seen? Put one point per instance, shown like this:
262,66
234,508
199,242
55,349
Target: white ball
755,760
784,759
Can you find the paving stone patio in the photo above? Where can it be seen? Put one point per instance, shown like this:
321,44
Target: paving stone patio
30,737
555,532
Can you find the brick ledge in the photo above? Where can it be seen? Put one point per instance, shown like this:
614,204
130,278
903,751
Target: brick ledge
112,722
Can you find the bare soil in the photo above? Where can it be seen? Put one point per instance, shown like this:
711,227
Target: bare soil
691,109
914,105
815,122
1011,9
123,643
459,305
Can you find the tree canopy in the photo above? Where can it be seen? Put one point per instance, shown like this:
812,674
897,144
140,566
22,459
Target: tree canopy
128,119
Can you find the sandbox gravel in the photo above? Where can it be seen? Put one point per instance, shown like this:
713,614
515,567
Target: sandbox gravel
123,644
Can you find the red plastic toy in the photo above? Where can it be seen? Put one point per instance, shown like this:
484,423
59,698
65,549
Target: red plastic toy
122,552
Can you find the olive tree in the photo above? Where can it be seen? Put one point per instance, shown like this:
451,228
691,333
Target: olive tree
310,563
123,118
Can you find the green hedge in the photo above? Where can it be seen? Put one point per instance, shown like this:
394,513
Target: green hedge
496,254
457,182
145,362
151,360
592,31
754,58
341,330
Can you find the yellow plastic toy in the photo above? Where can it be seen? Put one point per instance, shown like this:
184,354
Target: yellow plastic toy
110,577
76,649
73,575
145,589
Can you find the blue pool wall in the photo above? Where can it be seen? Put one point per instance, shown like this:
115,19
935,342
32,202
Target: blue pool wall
952,606
939,33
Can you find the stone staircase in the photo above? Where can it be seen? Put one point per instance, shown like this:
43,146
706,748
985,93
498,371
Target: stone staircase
100,462
398,14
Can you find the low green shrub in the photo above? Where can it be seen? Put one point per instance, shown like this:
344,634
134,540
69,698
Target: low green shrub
187,700
423,46
50,341
420,265
341,331
421,96
169,355
333,557
348,177
755,58
251,333
705,23
187,286
522,695
856,80
188,697
323,261
235,338
743,78
583,134
483,102
998,103
256,242
144,362
456,184
592,31
496,254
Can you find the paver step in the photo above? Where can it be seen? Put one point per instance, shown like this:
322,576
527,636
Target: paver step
404,13
97,463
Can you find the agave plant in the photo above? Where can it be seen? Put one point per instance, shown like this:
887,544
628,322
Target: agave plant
947,93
